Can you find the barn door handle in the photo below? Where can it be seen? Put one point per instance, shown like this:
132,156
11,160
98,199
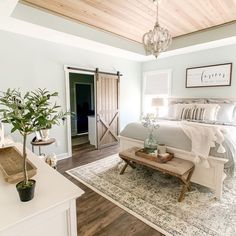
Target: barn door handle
98,118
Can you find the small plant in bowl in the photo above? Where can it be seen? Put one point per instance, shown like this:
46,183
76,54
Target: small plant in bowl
24,113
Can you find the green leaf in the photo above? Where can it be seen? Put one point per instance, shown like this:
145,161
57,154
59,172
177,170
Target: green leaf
13,129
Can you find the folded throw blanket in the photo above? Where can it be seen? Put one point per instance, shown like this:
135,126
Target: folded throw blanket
203,137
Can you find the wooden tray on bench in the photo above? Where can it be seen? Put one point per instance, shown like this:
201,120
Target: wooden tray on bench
142,153
11,165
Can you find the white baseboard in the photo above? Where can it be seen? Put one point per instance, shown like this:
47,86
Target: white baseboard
63,156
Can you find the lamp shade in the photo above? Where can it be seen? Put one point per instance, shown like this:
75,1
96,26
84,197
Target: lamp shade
157,102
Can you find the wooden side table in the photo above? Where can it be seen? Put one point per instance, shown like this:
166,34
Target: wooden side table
42,143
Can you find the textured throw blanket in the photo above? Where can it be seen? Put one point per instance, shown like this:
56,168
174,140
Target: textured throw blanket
203,137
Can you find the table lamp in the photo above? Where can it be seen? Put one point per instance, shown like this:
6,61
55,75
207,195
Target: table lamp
157,103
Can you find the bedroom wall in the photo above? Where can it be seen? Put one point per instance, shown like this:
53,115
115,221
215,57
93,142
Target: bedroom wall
28,63
179,63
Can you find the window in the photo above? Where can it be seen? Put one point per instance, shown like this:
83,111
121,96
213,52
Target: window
156,84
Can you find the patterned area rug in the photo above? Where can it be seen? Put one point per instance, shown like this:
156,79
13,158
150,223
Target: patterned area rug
152,197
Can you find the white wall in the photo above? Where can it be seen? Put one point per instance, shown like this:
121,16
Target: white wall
29,63
61,24
178,64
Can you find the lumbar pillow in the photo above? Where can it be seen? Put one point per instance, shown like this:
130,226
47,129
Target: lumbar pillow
193,113
210,111
178,109
186,113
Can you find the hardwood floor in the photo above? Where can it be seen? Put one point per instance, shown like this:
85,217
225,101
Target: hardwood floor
96,215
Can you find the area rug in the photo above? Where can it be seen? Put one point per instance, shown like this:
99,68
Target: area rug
152,197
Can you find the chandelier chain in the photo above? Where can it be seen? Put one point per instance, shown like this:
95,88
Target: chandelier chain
157,16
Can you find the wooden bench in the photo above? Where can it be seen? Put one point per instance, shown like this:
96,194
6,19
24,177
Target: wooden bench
177,167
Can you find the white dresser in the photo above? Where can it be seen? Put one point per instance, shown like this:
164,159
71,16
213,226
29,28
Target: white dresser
52,212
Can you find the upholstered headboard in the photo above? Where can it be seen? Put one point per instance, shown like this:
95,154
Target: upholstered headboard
201,100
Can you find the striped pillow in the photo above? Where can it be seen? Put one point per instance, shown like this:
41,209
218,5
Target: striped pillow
194,113
211,111
199,113
185,114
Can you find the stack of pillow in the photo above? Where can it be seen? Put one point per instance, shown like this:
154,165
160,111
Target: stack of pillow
221,113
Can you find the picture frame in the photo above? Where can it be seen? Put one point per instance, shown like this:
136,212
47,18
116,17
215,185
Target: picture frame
217,75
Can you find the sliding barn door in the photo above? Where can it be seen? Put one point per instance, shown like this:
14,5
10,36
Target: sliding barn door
107,109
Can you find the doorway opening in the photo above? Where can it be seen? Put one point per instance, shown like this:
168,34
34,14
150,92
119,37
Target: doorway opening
82,104
93,97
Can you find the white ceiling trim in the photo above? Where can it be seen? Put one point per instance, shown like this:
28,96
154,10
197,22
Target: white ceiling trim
7,7
39,32
199,47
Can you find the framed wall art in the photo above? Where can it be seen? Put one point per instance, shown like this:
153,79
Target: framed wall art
209,76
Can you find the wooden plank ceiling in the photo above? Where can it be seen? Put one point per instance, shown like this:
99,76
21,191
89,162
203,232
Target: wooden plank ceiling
132,18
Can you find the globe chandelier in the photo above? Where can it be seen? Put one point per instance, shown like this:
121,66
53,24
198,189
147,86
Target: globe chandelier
158,39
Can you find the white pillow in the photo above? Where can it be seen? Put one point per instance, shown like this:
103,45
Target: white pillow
234,115
171,111
210,111
225,113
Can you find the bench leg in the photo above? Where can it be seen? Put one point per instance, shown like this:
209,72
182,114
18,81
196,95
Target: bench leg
182,193
123,169
127,163
186,185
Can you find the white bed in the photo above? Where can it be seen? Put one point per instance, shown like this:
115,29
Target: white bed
211,177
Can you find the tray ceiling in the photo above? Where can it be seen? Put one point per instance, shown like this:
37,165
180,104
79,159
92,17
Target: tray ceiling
132,18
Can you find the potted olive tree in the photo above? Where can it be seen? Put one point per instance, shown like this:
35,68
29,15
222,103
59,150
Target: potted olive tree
24,112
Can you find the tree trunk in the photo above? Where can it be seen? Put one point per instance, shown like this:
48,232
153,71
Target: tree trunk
24,160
